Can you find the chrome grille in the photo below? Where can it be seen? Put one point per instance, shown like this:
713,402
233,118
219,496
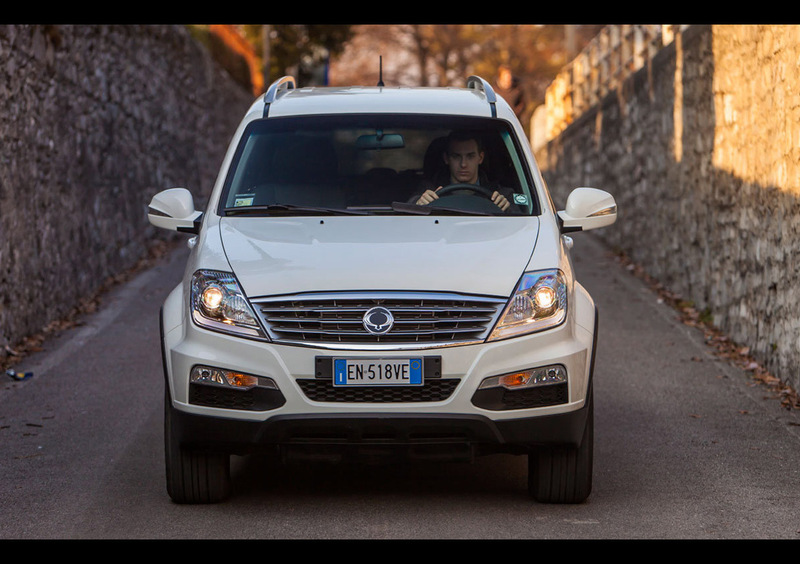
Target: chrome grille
420,319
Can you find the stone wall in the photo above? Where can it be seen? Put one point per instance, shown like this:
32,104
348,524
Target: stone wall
95,120
701,149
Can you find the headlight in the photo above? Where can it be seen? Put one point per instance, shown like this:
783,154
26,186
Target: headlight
218,303
539,302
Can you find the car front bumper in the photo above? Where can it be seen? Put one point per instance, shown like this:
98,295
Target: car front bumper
466,419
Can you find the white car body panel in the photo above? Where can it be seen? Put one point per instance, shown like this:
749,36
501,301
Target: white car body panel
473,255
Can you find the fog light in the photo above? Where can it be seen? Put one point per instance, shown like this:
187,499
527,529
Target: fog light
230,378
542,376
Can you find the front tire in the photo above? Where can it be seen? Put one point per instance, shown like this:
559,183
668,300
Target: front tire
563,474
193,476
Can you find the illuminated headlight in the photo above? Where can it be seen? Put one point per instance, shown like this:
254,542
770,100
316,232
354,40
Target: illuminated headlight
218,303
555,374
539,302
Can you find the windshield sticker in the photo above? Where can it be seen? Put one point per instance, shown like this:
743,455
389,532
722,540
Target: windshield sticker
243,200
521,199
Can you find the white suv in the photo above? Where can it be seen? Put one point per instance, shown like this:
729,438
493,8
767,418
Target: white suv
356,288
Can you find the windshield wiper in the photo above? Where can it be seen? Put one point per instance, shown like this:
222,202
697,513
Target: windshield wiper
271,209
416,209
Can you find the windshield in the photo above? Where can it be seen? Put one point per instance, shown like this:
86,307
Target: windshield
378,164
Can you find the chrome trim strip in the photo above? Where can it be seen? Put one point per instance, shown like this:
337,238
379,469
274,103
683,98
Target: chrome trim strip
355,295
368,347
349,333
352,321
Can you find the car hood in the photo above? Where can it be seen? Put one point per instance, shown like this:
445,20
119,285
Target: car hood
475,255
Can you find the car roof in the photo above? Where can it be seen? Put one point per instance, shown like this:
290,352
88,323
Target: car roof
284,99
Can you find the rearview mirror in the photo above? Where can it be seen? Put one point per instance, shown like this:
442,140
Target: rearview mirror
174,209
588,208
380,141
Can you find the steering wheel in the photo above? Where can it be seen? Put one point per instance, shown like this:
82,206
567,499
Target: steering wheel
474,188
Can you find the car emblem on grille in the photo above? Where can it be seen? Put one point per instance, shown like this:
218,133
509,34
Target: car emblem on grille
378,320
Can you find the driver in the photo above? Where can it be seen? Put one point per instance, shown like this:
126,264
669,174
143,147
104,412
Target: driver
463,156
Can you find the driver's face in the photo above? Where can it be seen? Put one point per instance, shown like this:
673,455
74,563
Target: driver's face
463,158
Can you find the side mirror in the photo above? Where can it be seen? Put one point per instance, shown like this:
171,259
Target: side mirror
174,209
588,208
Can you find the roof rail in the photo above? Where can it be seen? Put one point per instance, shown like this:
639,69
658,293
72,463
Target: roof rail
282,84
477,83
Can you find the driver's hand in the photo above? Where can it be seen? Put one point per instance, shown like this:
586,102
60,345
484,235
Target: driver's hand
499,200
427,197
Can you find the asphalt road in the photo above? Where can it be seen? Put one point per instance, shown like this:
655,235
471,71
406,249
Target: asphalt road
686,447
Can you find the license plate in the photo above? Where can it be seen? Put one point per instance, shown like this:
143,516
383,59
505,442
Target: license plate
377,372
